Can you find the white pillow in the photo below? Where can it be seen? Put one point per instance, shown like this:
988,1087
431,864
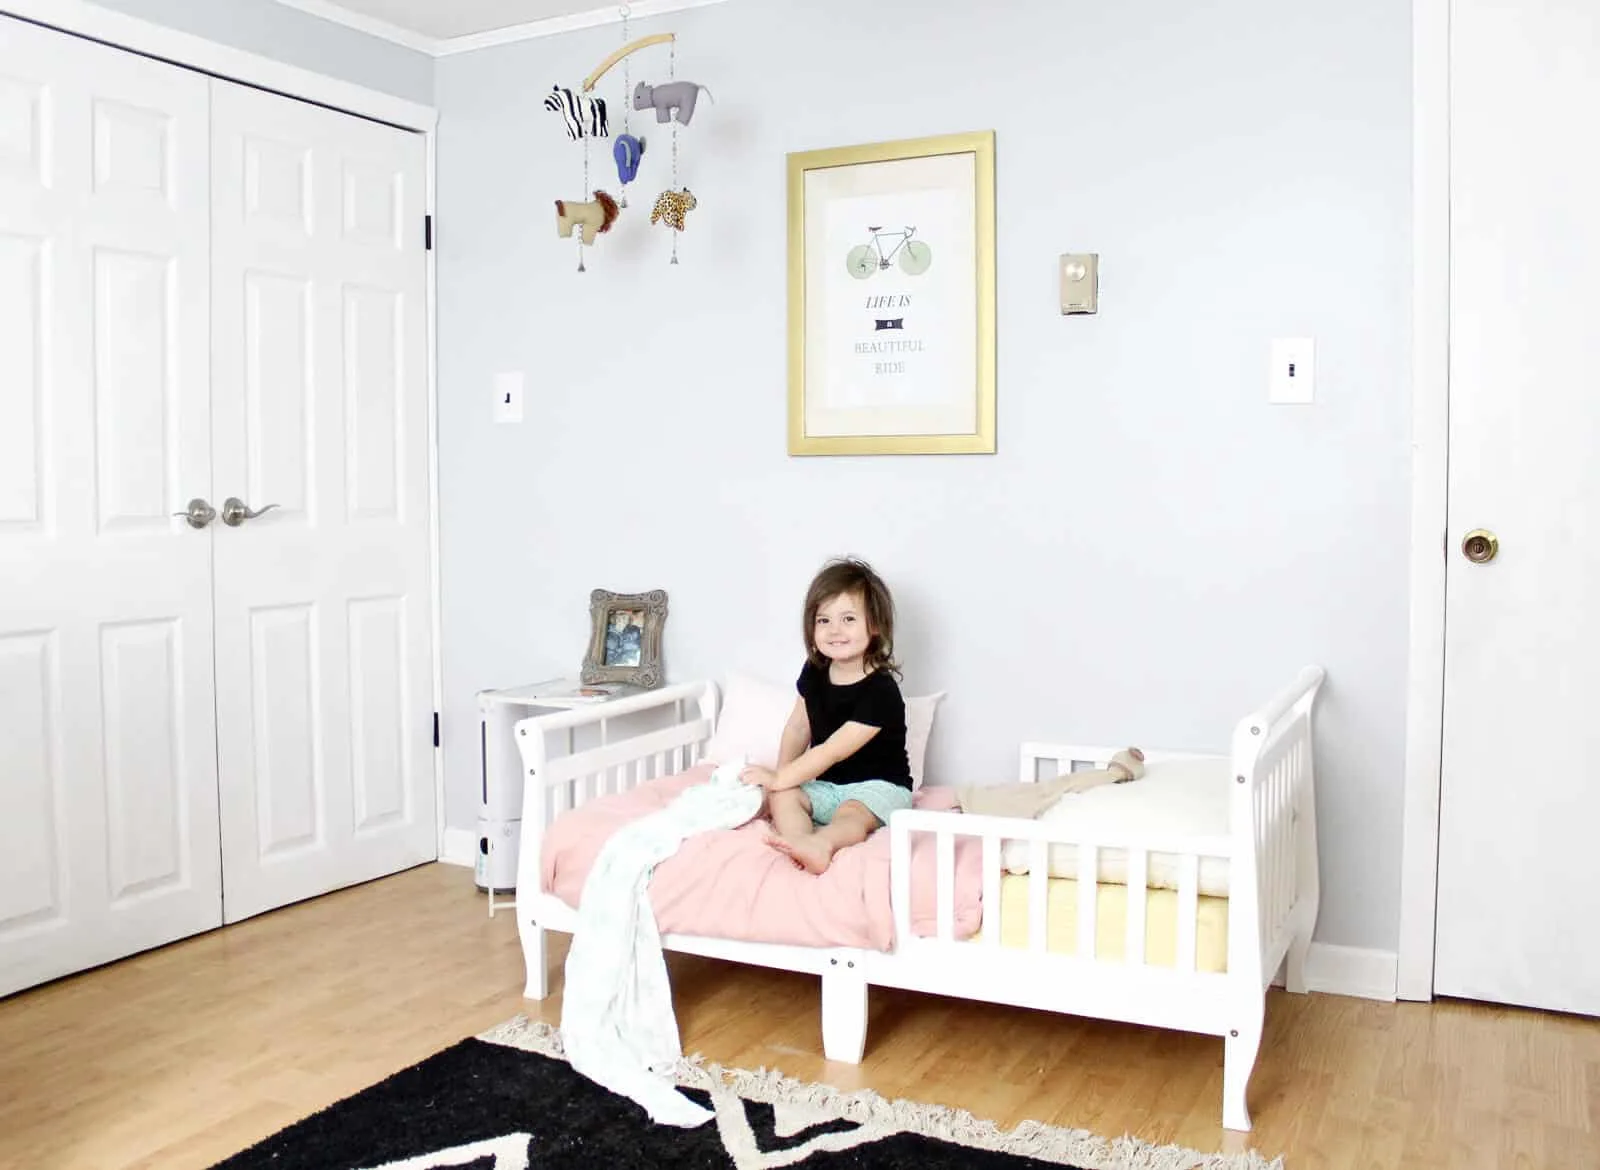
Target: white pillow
754,712
1173,799
751,722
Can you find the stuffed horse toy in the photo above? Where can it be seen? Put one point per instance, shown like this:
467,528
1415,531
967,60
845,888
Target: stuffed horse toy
674,95
672,206
590,218
585,117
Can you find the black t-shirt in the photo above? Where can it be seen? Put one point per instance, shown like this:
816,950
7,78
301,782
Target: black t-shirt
874,701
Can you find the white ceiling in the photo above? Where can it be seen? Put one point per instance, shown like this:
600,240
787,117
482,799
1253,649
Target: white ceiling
452,26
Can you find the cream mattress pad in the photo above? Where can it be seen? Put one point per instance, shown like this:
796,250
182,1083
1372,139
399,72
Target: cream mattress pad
1111,922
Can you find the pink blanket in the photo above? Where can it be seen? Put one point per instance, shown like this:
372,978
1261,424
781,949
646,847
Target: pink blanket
731,884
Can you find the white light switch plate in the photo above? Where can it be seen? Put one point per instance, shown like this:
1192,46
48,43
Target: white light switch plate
1293,375
508,398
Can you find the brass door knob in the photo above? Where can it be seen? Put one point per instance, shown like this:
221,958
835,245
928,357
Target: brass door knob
1480,546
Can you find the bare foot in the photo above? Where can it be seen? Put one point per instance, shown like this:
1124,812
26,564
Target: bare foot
810,853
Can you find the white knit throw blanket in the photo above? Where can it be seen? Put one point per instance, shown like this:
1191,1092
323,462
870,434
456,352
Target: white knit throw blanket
617,1020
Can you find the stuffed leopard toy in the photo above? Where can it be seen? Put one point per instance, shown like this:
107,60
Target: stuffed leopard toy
672,206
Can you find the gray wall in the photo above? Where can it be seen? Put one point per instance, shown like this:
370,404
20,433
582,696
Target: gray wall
1153,550
289,35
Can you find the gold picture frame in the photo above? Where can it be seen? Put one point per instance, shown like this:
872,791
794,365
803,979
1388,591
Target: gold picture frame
625,638
919,268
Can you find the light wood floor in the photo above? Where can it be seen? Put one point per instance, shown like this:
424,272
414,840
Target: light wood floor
181,1056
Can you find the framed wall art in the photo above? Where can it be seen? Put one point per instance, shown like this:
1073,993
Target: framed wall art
625,638
892,298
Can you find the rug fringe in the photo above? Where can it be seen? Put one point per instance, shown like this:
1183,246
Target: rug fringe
1032,1139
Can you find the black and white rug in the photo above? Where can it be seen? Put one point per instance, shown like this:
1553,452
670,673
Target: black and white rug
508,1101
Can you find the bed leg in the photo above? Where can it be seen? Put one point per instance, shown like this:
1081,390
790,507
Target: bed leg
844,1011
1240,1046
534,958
1294,975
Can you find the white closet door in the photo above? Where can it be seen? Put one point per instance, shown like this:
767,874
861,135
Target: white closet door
108,798
1519,803
324,704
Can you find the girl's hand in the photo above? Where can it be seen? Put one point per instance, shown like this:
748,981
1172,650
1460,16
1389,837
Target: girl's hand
756,774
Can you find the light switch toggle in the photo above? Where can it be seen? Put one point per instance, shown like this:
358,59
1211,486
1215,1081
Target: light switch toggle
1080,282
1293,370
508,397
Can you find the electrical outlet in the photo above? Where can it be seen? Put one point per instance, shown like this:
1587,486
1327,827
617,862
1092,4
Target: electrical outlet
1293,375
508,397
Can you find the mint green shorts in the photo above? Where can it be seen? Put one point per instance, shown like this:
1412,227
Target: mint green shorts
881,796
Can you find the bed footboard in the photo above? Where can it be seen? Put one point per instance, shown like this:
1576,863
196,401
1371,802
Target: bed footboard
1273,896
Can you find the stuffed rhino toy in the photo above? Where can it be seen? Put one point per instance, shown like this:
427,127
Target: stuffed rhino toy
674,95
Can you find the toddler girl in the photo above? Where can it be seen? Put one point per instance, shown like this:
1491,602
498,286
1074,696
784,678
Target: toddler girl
842,765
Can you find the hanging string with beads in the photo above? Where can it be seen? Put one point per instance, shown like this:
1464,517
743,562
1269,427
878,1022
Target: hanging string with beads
586,194
627,101
672,75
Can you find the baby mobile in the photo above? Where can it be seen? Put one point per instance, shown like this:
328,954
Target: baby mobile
587,119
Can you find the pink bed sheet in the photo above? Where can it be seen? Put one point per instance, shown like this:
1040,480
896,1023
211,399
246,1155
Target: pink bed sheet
731,884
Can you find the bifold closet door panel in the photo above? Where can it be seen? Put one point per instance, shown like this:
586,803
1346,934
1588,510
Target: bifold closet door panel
108,794
324,656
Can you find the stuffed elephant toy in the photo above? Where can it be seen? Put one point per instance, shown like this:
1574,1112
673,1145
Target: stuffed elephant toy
674,95
627,151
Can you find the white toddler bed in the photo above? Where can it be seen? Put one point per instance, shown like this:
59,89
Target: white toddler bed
1245,898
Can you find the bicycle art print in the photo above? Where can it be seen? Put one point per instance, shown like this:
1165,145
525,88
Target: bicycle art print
891,297
913,256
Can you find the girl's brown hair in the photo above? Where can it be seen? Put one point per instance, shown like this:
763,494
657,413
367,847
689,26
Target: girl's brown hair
848,575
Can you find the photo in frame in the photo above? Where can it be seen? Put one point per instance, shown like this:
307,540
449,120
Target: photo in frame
892,298
625,638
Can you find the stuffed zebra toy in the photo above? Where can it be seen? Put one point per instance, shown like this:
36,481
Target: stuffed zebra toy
585,116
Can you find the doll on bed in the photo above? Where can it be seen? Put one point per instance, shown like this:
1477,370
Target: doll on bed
842,765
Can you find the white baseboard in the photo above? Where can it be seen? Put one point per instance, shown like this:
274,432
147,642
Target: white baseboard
1353,971
460,848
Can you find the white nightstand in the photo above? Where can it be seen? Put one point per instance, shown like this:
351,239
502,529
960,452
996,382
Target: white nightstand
500,808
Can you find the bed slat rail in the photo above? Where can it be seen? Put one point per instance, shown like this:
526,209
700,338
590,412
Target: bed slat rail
621,761
993,833
565,782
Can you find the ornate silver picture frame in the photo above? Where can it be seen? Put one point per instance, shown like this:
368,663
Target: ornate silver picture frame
625,638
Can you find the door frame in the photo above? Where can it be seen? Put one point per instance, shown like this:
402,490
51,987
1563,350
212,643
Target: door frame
1430,482
186,50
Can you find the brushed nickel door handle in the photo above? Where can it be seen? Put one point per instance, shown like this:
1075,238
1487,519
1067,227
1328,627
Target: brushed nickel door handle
235,511
198,514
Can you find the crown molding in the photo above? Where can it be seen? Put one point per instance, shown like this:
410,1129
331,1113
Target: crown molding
472,42
88,19
371,25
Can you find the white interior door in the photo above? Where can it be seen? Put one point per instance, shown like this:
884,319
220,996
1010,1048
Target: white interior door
1520,802
108,798
324,700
